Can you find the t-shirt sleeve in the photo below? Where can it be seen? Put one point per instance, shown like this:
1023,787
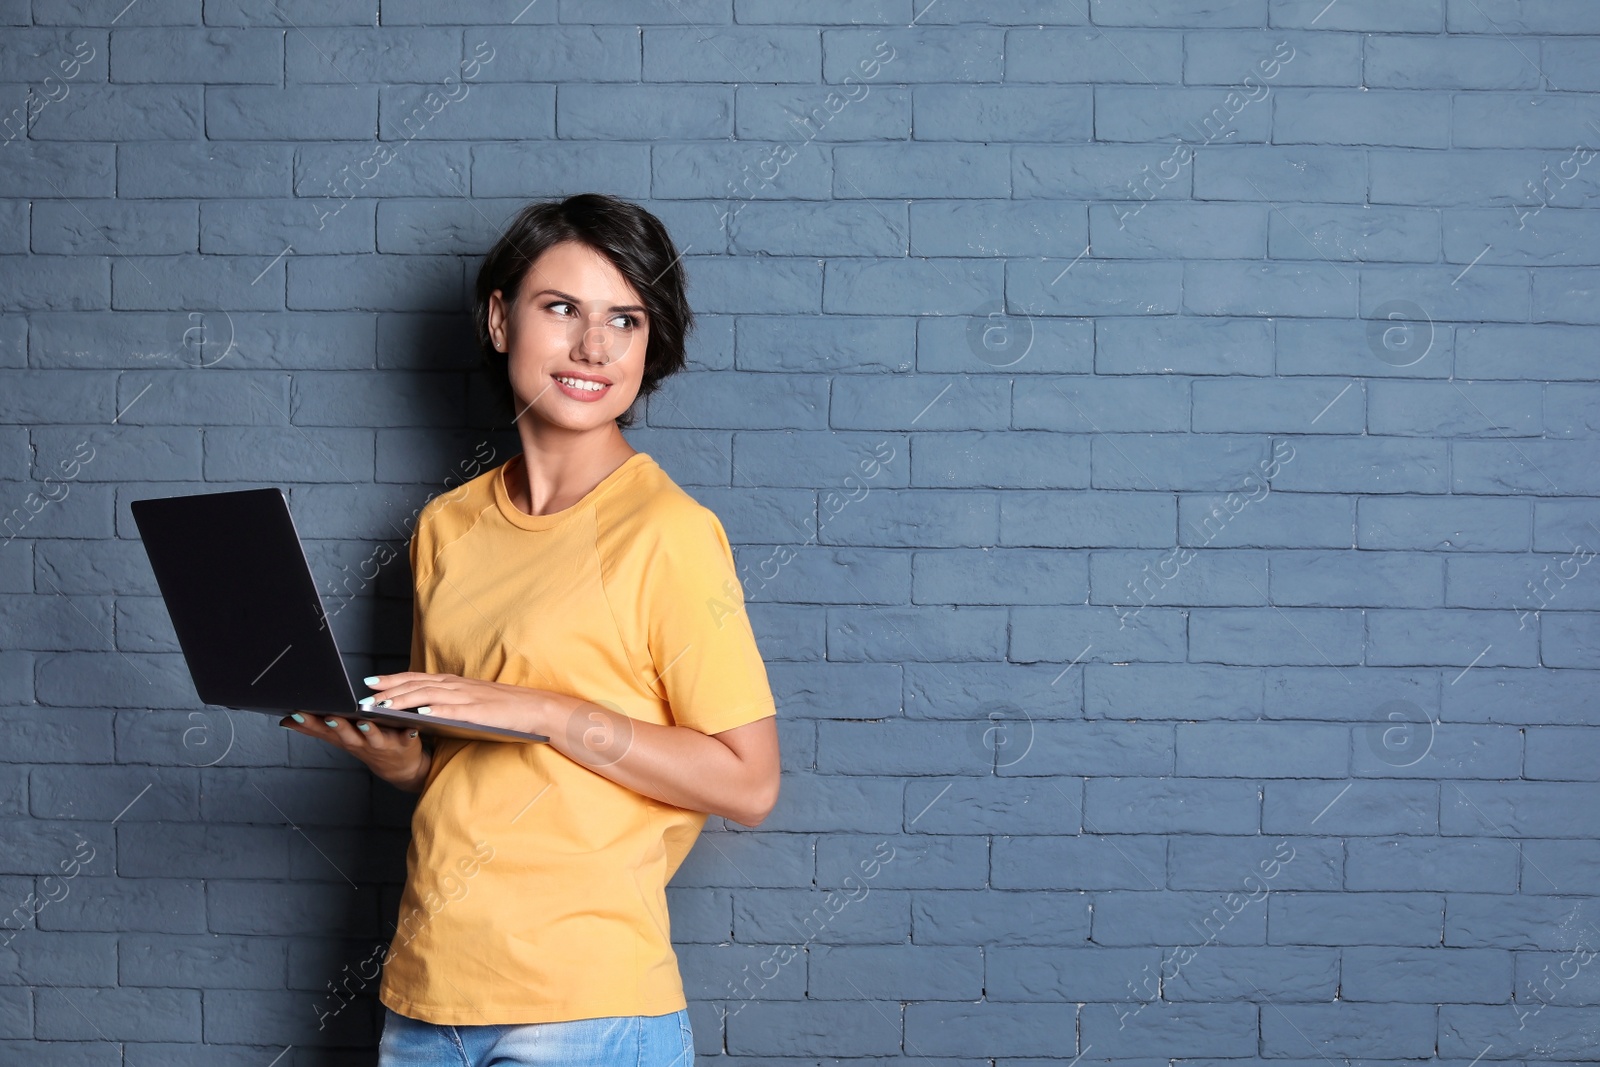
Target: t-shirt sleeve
702,649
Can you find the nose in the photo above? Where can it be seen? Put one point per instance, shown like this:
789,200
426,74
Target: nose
597,340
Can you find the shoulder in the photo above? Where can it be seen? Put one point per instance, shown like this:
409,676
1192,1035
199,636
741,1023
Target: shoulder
458,506
651,511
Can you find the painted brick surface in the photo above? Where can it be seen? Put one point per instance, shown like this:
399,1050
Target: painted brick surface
1156,436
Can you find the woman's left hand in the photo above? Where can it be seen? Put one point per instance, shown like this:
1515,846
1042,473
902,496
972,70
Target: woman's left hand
450,696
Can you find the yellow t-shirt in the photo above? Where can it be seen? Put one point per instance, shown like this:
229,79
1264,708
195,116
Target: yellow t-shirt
535,886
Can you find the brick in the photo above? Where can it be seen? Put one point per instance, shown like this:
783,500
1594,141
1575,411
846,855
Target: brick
378,282
1129,579
1093,520
907,972
1347,919
1349,1029
1357,579
932,634
1268,636
1411,863
1569,63
1513,180
1185,13
1515,120
908,286
998,576
950,691
777,916
204,169
1454,410
789,229
1250,867
478,112
103,227
921,171
765,1030
125,905
212,56
117,1014
1173,231
1561,753
1386,347
681,54
1220,1030
965,917
602,112
1223,973
1061,634
1170,691
1565,296
1261,750
1365,465
109,112
1277,406
1087,405
1523,16
52,170
1425,16
1171,805
1169,918
1304,289
1198,116
1099,171
1319,174
1227,57
1096,56
1064,975
1448,63
354,56
1090,287
1365,234
53,283
1363,810
868,111
1015,459
309,113
923,54
995,227
335,174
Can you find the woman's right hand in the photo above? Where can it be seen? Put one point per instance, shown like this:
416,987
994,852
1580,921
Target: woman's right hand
395,754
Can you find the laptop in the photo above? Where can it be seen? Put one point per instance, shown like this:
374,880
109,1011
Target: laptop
253,629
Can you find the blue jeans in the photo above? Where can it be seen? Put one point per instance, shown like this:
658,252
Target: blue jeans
613,1041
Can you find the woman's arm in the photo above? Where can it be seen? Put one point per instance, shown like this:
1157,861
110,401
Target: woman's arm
733,773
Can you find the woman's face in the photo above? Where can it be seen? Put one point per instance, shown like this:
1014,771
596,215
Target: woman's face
575,343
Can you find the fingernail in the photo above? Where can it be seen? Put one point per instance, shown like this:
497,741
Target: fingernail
363,727
366,702
371,679
332,722
297,717
425,710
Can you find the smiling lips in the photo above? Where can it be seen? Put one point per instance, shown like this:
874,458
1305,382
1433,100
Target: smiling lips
581,388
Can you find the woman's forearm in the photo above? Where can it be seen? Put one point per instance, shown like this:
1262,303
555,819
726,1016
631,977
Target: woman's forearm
673,764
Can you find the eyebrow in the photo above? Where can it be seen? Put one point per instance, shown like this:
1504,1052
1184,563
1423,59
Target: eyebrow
574,300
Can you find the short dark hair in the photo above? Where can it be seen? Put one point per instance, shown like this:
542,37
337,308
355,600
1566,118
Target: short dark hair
635,242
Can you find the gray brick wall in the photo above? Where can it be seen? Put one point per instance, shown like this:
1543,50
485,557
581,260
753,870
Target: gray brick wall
1158,437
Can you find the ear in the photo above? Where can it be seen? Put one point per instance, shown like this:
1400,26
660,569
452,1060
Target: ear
497,322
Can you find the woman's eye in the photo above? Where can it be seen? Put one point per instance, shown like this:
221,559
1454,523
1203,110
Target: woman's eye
628,321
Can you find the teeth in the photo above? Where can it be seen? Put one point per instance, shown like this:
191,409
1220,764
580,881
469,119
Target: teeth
579,383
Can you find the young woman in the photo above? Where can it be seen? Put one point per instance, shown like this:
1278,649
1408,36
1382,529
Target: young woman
577,592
